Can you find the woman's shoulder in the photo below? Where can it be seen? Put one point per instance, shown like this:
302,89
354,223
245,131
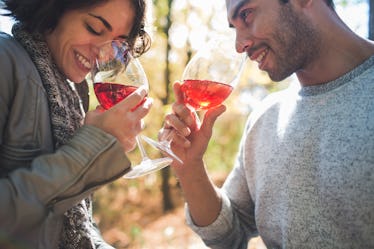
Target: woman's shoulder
16,66
14,58
10,48
7,41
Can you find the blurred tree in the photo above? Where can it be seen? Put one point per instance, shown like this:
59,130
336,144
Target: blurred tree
197,24
163,24
178,28
371,19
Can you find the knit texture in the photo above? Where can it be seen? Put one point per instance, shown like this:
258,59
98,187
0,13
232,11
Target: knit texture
66,117
304,175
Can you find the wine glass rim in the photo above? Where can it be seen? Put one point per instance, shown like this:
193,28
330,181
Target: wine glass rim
120,41
119,47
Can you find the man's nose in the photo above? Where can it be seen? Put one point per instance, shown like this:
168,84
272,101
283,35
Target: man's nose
242,42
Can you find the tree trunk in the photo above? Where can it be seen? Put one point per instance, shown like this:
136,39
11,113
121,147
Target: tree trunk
165,172
371,19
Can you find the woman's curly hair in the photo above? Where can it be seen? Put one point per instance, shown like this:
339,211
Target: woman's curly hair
43,16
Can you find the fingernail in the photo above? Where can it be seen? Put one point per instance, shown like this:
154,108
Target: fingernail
186,131
142,90
148,102
187,144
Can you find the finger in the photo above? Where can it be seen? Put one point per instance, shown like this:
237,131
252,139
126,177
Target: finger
164,134
99,108
142,124
177,139
128,144
133,99
210,118
169,134
138,127
187,115
172,121
142,110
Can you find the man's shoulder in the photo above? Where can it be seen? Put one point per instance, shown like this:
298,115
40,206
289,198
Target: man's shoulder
368,67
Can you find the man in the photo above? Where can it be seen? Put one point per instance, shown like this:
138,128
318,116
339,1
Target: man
304,174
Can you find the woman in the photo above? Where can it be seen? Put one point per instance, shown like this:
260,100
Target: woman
52,156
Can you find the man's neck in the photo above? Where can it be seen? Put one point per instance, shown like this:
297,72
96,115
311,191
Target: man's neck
336,59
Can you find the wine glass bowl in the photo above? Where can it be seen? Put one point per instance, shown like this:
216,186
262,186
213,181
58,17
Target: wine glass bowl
208,79
116,74
204,94
211,74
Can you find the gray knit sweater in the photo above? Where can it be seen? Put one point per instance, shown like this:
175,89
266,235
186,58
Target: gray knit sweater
304,174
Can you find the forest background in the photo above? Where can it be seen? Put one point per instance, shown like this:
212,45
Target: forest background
148,212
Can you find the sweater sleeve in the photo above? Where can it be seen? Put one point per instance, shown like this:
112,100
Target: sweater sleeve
35,182
235,224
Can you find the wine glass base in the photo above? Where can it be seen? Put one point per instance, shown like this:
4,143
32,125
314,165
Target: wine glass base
164,147
148,166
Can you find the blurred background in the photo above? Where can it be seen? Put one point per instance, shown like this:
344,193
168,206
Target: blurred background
148,212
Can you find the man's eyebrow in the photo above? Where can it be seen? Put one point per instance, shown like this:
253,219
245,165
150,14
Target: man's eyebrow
234,14
106,24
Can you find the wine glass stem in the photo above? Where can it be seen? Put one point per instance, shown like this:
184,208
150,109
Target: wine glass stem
197,118
141,148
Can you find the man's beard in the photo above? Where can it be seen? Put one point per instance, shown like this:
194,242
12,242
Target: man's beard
297,44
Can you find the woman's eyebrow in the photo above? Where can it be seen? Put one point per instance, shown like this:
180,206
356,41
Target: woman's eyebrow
105,22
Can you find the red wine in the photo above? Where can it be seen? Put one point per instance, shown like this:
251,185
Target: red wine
109,94
204,94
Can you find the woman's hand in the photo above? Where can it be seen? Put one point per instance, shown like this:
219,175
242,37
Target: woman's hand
189,138
122,120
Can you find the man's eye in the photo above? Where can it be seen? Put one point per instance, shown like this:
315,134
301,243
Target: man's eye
91,30
244,14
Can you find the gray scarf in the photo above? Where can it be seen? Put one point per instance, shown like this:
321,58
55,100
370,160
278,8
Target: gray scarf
66,117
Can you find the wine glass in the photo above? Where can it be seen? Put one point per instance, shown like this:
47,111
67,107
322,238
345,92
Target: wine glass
115,74
208,79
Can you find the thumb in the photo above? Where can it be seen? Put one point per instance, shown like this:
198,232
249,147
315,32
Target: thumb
210,118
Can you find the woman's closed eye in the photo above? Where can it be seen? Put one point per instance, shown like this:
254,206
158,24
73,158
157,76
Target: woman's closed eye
92,30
